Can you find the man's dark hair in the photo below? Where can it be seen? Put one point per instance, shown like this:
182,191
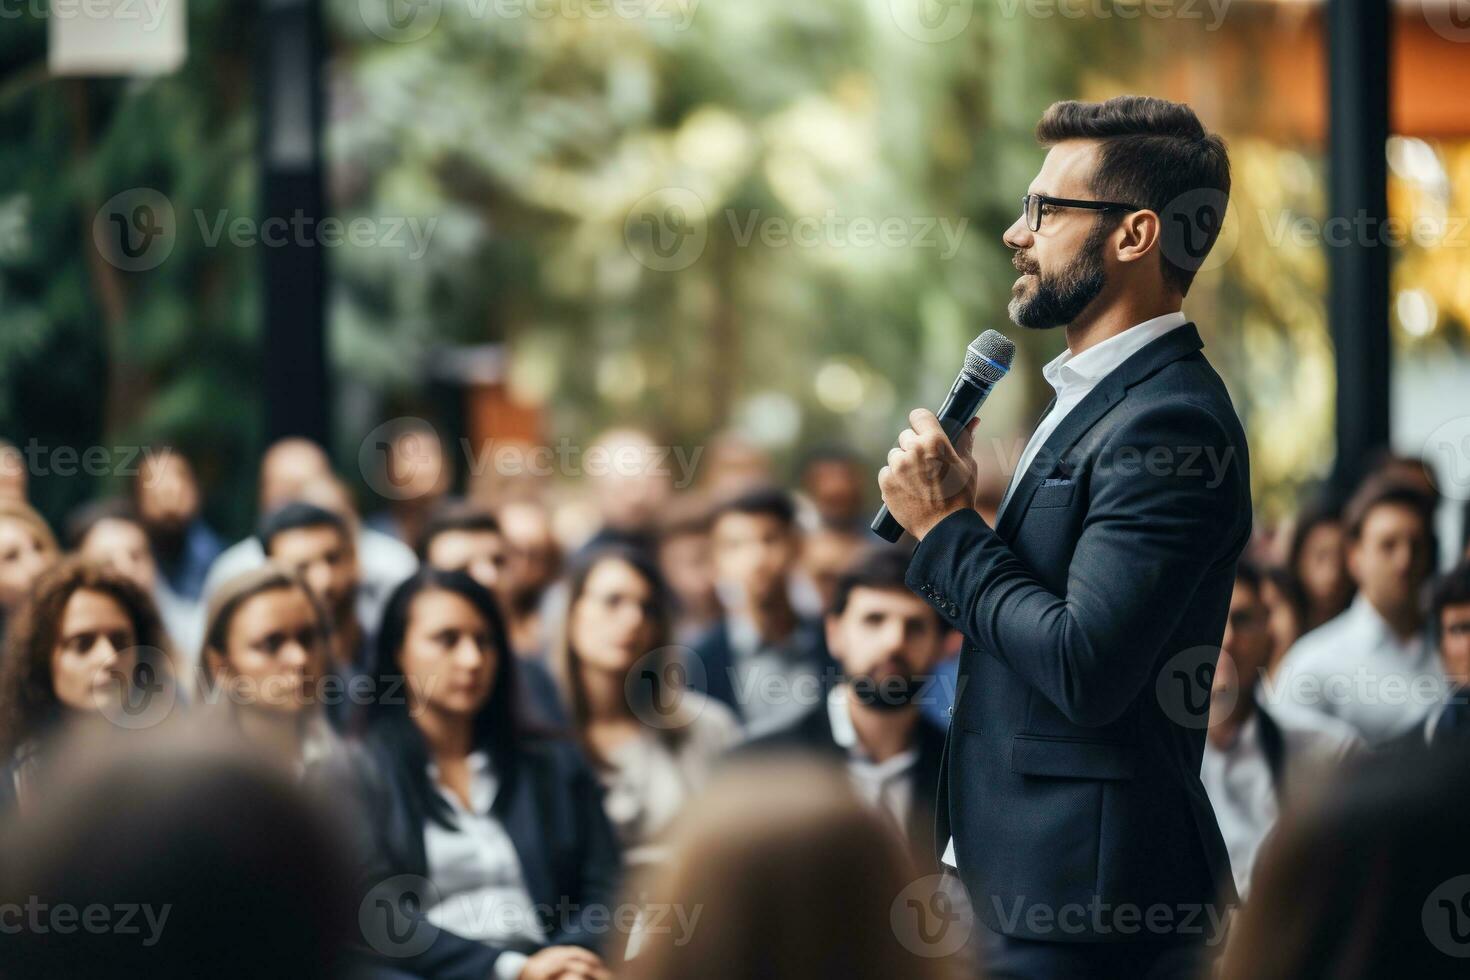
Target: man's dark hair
1248,574
455,516
1451,590
295,516
762,501
1384,490
877,568
1155,154
82,519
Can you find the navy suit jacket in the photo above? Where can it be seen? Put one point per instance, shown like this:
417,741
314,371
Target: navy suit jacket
1092,617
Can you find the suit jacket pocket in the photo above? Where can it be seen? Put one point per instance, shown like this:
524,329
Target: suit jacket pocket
1055,495
1071,758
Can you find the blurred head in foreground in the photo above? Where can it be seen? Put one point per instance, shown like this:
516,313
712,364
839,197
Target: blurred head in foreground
173,862
1370,881
778,871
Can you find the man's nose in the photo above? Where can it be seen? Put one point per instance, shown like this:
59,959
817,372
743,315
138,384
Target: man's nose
1018,235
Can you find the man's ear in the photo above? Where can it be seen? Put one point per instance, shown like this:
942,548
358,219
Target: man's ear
1138,236
832,630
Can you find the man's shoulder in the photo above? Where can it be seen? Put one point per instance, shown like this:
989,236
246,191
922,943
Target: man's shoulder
1326,648
811,732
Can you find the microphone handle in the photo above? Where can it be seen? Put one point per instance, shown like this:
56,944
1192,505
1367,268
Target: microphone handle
958,409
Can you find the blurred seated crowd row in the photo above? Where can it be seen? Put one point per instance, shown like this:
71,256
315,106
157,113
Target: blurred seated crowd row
699,733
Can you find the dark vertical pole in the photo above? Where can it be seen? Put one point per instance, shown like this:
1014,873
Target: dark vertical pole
292,204
1357,59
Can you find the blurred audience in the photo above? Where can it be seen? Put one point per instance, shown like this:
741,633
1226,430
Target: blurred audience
462,537
837,483
687,564
535,565
887,641
27,548
14,476
1449,721
764,660
1317,557
780,872
631,484
1367,882
178,862
419,472
825,553
266,652
1286,611
652,741
169,504
318,546
1252,761
86,651
506,828
1373,665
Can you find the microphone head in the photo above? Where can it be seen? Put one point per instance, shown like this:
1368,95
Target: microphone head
989,356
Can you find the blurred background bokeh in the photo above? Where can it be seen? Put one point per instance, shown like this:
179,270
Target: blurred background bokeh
525,300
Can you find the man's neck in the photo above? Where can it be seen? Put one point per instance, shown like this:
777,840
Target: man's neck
1404,623
883,733
772,616
1095,326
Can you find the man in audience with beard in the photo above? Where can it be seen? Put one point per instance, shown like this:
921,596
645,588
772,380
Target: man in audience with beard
168,502
887,641
1450,620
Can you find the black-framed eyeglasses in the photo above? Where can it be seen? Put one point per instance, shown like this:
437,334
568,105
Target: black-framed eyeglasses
1033,204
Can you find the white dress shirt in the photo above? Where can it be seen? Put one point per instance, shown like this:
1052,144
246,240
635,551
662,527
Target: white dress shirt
775,683
886,786
1355,668
477,873
1073,376
1238,780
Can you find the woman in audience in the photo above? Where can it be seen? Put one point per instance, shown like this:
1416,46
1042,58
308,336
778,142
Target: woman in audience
652,741
1286,606
506,827
780,872
1317,558
264,657
85,649
1370,881
27,548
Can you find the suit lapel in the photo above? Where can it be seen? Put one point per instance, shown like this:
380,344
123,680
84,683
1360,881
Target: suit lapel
1099,401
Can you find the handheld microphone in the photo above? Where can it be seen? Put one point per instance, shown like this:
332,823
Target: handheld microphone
987,360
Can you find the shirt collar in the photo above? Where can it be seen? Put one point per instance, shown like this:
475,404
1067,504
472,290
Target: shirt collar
1375,628
1099,360
839,714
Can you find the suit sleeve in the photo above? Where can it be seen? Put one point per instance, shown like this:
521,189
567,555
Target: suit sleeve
1150,535
601,863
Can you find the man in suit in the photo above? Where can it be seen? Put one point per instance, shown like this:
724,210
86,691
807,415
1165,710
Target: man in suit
764,660
887,641
1070,801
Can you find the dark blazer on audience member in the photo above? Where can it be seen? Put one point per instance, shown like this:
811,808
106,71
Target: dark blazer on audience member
1072,765
551,807
812,734
716,655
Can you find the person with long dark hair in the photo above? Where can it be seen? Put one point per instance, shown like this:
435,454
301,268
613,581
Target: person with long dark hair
652,740
503,829
87,647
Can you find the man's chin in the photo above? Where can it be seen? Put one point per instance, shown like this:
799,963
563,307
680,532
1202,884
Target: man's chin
1022,315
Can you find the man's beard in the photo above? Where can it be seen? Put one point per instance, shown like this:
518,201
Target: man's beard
890,693
1059,299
